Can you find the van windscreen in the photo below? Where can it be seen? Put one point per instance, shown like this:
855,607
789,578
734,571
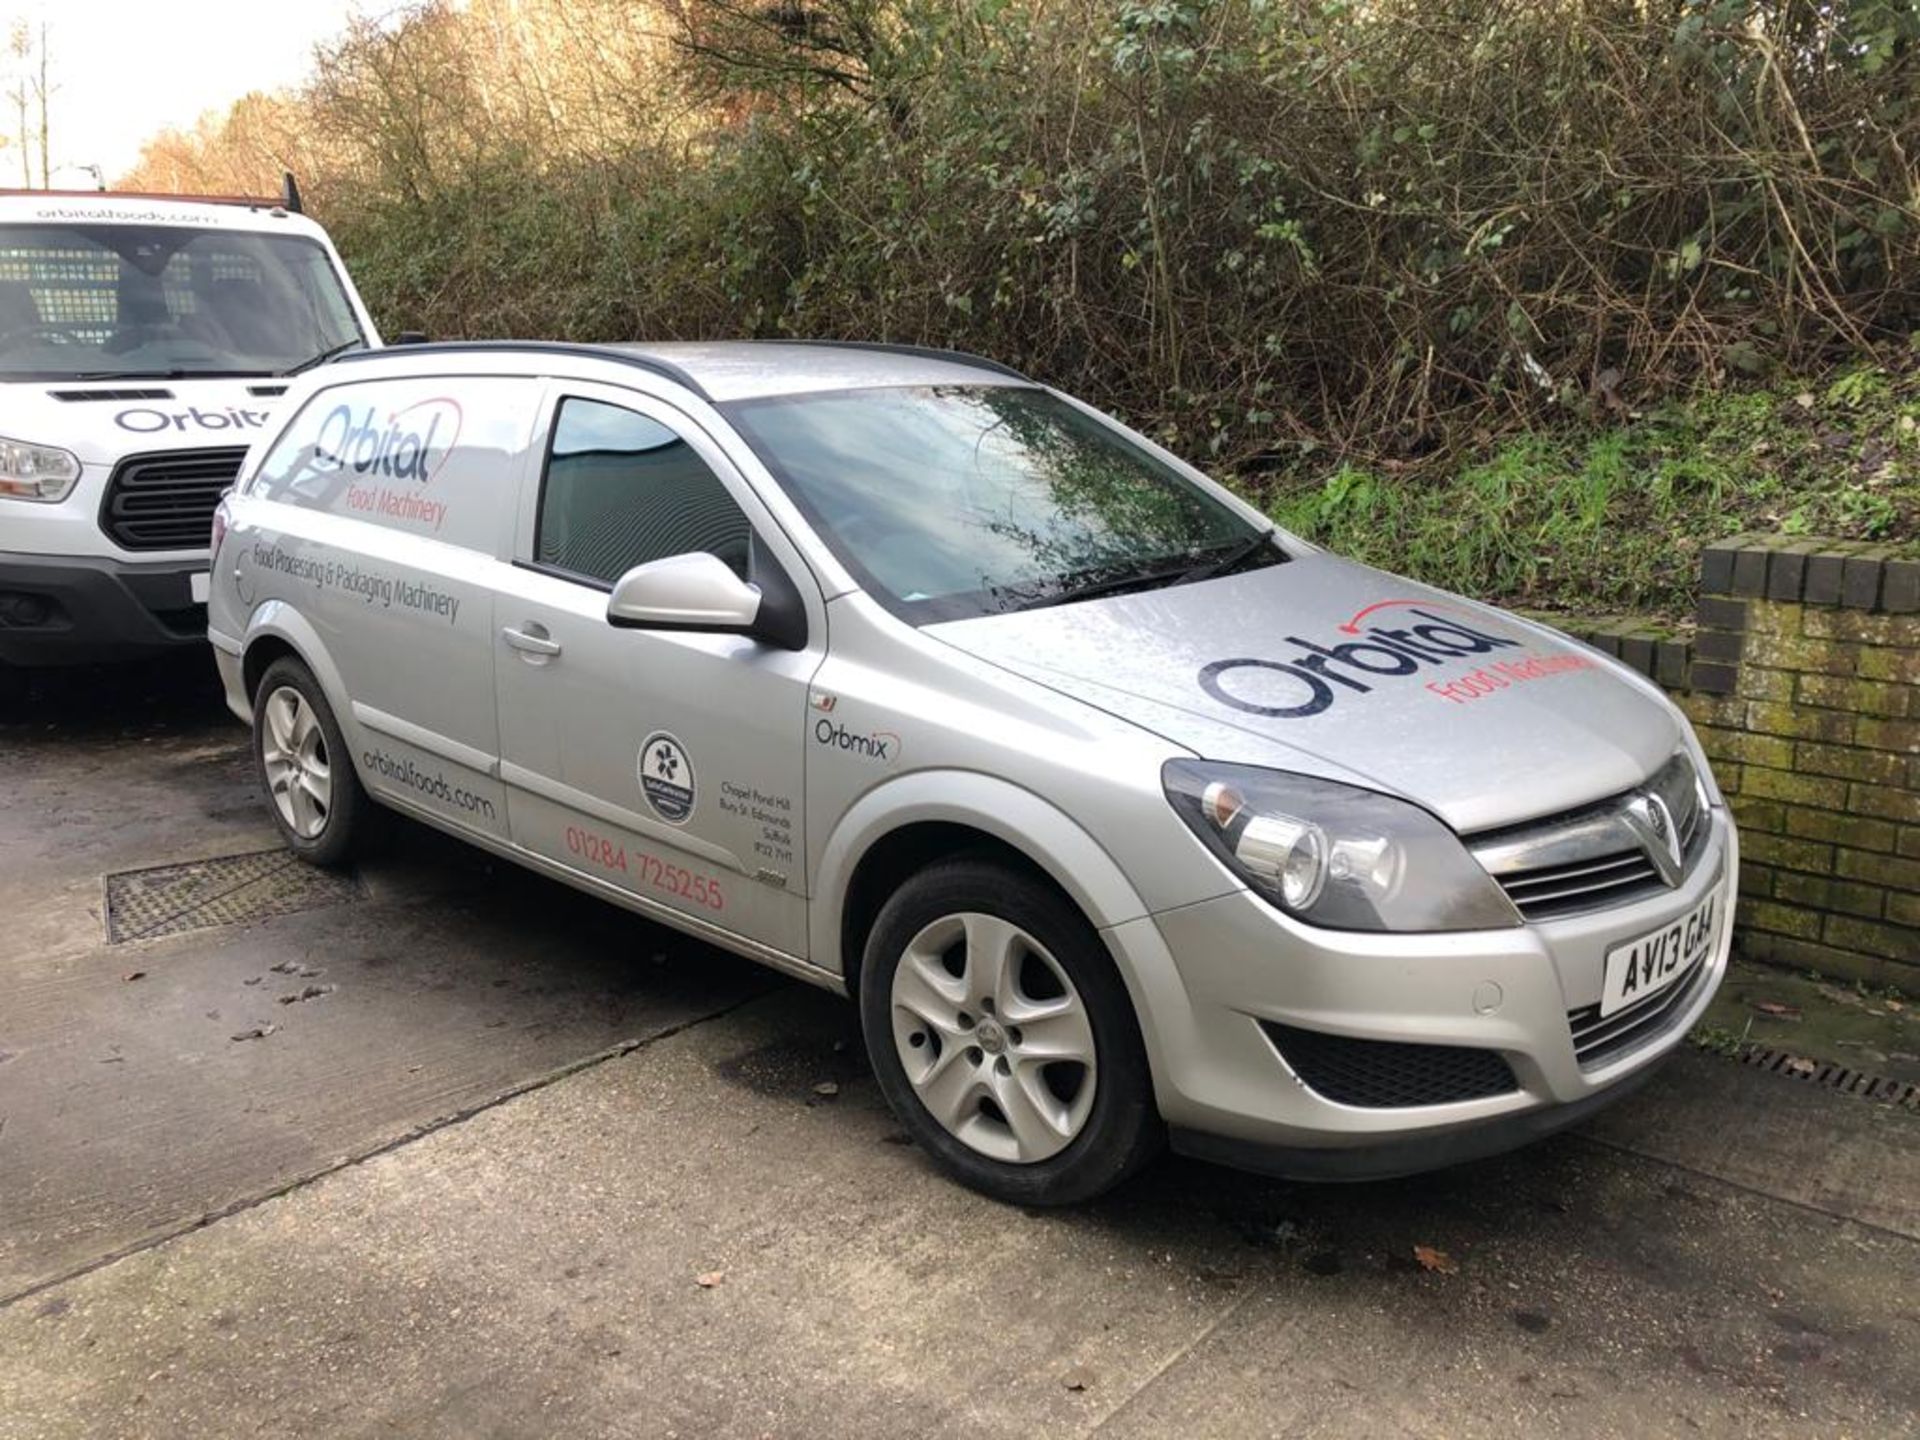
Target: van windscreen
125,301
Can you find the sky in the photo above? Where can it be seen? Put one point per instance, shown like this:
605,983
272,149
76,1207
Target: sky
124,69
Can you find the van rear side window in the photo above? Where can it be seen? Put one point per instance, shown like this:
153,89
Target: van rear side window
435,457
622,489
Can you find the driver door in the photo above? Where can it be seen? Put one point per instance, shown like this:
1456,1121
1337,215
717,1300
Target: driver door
665,764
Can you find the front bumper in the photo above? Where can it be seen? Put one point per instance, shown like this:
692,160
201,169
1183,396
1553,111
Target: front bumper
1213,972
83,610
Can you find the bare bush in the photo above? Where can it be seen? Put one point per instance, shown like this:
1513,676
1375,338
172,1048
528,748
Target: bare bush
1257,227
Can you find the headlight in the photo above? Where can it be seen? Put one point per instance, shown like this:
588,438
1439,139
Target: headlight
36,472
1334,855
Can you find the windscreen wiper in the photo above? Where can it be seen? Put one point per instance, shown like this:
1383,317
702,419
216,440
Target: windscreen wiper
1220,564
1134,580
1224,564
324,356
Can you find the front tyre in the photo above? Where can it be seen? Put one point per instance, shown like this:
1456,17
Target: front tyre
1003,1038
317,801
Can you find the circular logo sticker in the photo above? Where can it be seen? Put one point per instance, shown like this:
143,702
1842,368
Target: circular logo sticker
666,777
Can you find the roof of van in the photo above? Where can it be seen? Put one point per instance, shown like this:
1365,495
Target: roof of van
723,370
103,207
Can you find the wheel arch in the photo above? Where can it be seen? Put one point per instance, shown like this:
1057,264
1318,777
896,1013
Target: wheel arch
909,823
276,630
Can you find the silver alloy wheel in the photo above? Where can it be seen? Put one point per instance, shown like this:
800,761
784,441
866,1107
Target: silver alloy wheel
993,1037
293,751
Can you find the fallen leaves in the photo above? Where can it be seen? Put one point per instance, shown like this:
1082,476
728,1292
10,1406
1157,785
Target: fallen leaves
1777,1009
1436,1262
133,975
258,1032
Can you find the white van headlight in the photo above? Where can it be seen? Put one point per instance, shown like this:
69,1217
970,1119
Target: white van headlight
1336,855
36,472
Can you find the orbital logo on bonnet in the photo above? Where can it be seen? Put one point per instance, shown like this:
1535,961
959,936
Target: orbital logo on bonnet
1310,680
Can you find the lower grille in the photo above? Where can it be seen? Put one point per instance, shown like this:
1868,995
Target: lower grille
1384,1074
1596,1040
166,501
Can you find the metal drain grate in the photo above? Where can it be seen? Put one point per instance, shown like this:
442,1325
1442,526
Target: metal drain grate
1832,1075
227,890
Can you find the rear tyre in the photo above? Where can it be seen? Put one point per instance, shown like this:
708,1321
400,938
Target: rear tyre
1003,1038
315,797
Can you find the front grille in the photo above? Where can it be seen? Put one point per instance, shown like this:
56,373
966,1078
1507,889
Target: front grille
1589,859
1596,1041
166,501
1384,1074
1568,889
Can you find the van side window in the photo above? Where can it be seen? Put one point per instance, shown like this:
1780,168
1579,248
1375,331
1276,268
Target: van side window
622,489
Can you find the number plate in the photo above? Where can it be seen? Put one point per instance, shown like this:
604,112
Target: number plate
1655,961
199,586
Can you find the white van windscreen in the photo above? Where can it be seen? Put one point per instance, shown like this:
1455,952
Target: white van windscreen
120,301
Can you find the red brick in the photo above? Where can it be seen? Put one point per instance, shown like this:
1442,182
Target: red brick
1892,942
1816,790
1875,766
1854,695
1885,803
1895,872
1779,919
1807,855
1853,830
1807,955
1899,735
1833,726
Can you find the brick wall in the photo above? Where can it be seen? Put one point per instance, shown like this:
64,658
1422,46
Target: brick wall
1802,679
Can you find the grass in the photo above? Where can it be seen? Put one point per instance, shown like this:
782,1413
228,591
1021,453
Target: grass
1613,519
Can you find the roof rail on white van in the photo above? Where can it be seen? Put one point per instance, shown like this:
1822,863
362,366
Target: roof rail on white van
288,199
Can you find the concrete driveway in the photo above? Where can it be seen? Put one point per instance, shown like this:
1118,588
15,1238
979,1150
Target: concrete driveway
450,1151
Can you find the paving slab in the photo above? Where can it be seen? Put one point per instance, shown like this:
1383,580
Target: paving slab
537,1270
128,1107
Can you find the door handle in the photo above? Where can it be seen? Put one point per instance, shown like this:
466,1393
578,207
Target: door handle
532,640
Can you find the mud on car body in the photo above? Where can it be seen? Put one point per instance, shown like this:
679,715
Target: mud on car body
142,345
1121,815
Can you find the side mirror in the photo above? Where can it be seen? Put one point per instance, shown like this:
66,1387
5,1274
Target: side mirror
685,592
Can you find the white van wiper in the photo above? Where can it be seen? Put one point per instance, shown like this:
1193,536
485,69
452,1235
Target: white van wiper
323,356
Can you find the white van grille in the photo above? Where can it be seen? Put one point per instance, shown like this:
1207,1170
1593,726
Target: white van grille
166,501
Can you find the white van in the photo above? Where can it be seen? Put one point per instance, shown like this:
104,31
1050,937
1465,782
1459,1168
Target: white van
144,341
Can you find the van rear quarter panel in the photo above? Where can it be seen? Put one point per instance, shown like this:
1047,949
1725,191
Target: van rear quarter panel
381,515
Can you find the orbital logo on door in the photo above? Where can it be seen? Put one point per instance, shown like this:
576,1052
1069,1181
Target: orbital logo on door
410,444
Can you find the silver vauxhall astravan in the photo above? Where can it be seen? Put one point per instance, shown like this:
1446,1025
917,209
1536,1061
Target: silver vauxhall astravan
1122,815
